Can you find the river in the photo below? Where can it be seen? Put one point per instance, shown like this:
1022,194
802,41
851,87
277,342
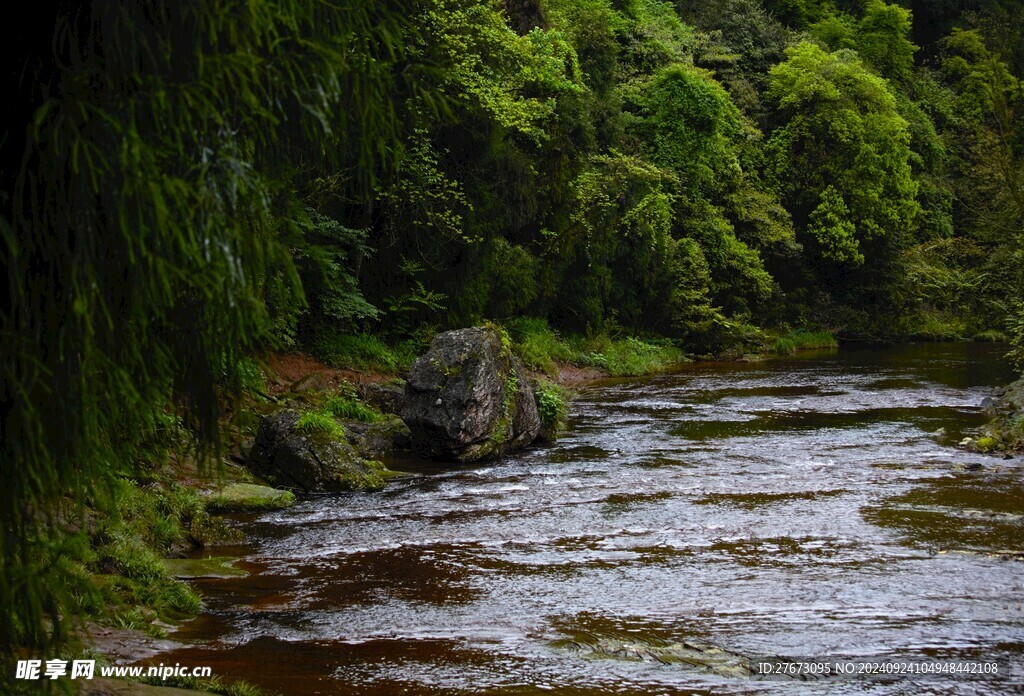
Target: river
807,507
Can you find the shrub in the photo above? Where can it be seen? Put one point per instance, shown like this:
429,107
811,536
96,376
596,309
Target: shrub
553,405
537,345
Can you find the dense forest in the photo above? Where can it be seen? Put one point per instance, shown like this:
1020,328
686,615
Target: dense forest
187,185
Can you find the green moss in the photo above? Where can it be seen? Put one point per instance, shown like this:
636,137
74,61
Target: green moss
246,497
364,475
209,567
987,444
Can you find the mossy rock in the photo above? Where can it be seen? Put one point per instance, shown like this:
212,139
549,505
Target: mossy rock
986,444
381,439
248,497
211,567
467,399
287,457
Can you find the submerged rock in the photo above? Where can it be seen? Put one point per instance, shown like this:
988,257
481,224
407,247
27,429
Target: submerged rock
468,398
693,655
248,497
286,457
210,567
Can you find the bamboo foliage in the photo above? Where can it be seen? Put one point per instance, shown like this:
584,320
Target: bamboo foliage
138,230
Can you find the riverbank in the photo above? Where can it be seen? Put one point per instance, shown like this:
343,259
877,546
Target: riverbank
298,378
1005,433
177,507
173,505
671,512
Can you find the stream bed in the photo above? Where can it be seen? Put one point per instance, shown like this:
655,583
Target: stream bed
812,507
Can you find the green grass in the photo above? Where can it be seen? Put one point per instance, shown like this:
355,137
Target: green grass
800,339
124,555
363,351
541,348
537,345
932,325
626,357
991,336
351,408
317,423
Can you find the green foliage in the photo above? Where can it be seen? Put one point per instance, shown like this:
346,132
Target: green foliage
349,408
883,39
138,227
616,250
415,303
688,125
795,13
991,336
835,31
321,424
537,345
325,252
553,406
800,339
359,350
1015,323
841,157
833,230
194,185
627,356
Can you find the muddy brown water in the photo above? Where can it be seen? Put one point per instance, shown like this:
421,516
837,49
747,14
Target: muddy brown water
813,506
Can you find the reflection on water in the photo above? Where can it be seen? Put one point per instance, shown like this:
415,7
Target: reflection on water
804,507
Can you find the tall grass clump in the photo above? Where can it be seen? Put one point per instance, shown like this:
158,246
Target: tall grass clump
537,345
625,357
361,351
799,339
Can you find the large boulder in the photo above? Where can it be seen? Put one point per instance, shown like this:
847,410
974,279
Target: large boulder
287,457
380,439
468,398
386,397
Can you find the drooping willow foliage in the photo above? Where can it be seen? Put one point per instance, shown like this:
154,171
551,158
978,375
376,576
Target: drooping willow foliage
140,216
178,177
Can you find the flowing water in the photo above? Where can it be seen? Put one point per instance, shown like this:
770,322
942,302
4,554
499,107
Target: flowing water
807,507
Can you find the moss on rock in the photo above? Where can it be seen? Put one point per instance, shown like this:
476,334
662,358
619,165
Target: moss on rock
249,497
210,567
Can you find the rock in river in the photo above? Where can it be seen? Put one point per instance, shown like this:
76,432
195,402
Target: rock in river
289,458
468,398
